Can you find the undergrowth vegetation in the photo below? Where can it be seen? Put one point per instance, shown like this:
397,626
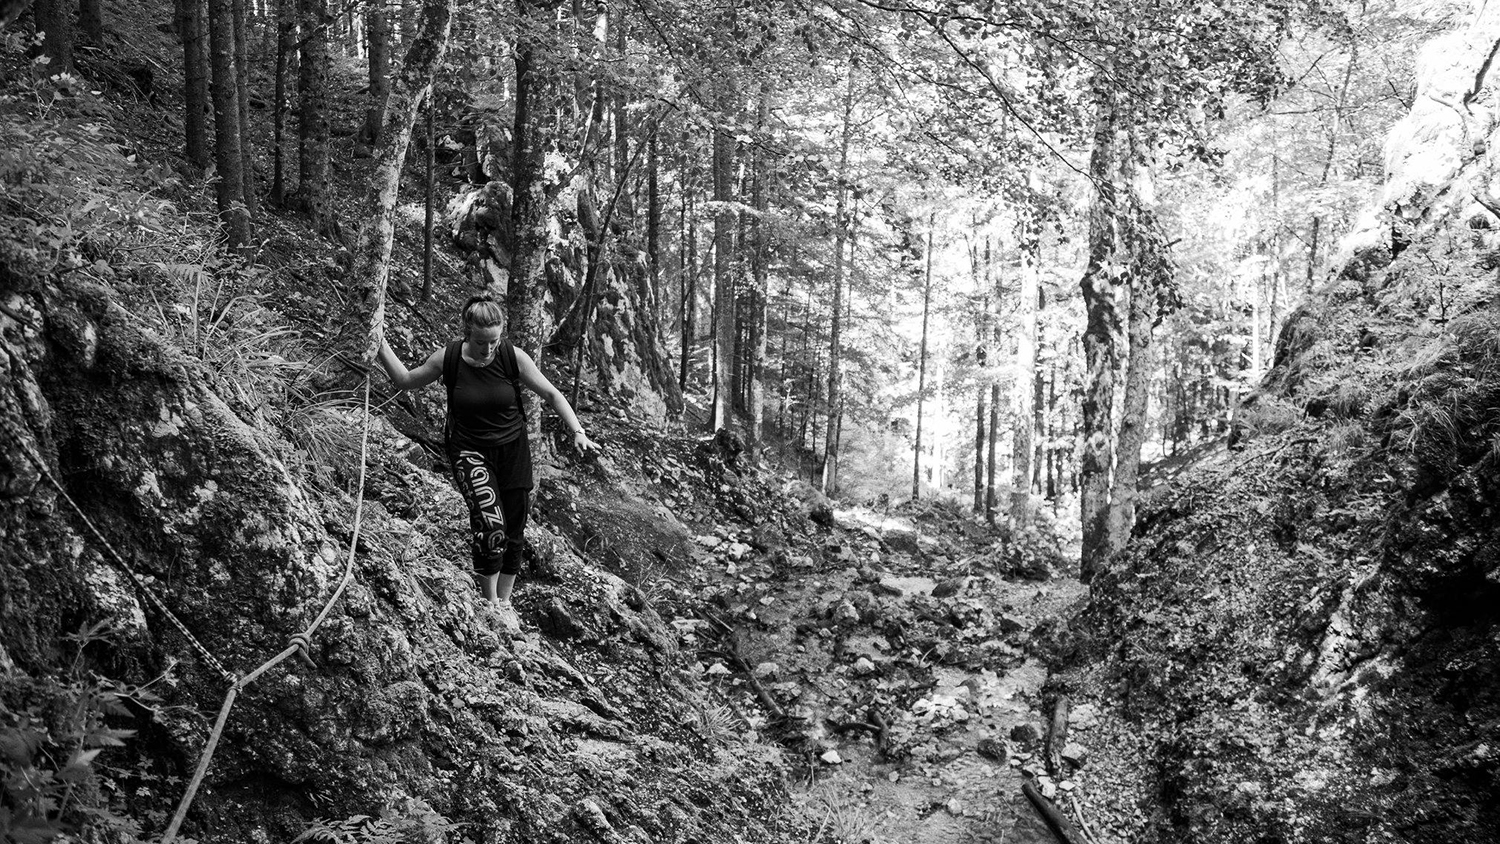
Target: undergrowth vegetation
53,732
411,821
77,198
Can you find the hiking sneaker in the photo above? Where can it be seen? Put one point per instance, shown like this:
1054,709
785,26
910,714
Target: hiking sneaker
505,615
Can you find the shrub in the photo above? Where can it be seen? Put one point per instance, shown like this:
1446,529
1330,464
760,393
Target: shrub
410,821
52,732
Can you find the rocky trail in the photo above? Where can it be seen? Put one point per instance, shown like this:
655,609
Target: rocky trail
908,675
895,654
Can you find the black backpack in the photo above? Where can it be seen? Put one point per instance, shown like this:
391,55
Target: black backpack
511,369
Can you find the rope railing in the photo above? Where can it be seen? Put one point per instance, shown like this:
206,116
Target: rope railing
300,643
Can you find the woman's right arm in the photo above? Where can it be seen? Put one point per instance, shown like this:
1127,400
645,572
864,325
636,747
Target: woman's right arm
410,379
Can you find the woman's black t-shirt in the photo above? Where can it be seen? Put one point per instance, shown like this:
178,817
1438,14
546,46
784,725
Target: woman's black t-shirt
483,411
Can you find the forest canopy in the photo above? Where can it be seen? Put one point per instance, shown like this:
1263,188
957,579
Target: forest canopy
1019,248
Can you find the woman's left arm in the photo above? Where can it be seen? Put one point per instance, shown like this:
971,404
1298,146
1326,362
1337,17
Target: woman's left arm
532,377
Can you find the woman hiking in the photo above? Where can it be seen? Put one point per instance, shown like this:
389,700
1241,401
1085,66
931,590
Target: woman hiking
485,438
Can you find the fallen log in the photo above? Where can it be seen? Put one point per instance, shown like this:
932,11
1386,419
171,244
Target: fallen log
1056,821
1057,739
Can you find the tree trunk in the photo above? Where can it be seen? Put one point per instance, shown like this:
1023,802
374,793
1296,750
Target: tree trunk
529,209
242,101
653,233
724,223
1101,347
1026,329
992,463
312,100
192,27
759,272
916,463
1051,428
1133,415
840,227
54,18
378,34
838,426
689,288
286,45
621,121
370,270
1038,405
803,358
741,308
981,363
230,187
91,22
428,199
1151,284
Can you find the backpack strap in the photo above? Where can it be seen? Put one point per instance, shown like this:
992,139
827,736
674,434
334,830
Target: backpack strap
513,373
450,366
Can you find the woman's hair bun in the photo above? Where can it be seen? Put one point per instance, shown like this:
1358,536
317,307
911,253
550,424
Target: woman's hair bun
482,311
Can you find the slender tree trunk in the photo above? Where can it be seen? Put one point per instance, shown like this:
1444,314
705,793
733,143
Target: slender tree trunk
410,87
724,223
378,34
286,45
981,360
814,393
230,187
991,495
653,233
91,22
741,308
1101,346
714,353
803,358
783,366
759,275
312,104
621,121
840,227
916,467
242,101
1026,329
838,425
979,433
192,26
689,289
428,189
1038,405
1051,428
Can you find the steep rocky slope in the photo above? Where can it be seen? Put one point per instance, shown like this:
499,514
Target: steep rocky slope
595,724
1299,644
166,391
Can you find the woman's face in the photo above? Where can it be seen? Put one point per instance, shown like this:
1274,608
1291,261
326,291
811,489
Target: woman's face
483,342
